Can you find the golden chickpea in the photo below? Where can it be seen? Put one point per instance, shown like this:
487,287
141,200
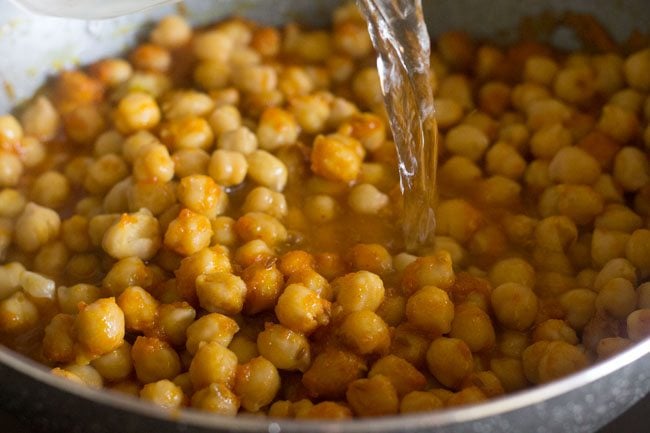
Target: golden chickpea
205,261
172,31
560,359
365,332
163,393
332,372
216,398
256,383
213,327
449,360
617,298
58,340
466,396
79,295
618,123
286,349
213,363
136,111
618,267
402,374
434,270
608,347
127,272
139,307
221,292
631,168
189,233
337,157
472,325
515,305
448,224
190,132
419,307
116,365
240,139
245,348
358,291
154,360
301,309
372,397
259,225
636,69
420,401
99,327
510,373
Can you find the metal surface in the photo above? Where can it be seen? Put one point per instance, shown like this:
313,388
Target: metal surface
32,48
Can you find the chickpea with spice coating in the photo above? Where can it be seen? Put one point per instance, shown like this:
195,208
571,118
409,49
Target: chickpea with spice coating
256,383
99,327
286,349
212,327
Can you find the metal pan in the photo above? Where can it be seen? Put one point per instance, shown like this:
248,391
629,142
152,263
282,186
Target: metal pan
31,48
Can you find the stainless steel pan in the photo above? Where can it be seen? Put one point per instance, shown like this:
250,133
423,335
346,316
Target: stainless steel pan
31,48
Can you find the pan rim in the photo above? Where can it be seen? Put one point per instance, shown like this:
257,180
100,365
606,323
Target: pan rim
190,417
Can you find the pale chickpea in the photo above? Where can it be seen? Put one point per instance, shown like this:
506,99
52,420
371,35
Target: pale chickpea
71,298
636,250
11,168
50,189
35,227
190,132
12,203
136,234
575,84
38,287
367,199
228,167
213,327
190,161
104,172
618,217
112,72
321,208
99,327
153,165
457,87
40,120
286,349
637,324
212,74
468,141
267,170
256,383
279,128
544,112
240,139
259,225
225,118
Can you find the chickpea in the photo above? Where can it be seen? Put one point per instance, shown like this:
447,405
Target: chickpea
420,401
358,291
631,168
213,327
472,325
617,298
116,365
367,199
337,157
40,120
228,167
279,128
139,307
267,170
372,397
221,292
332,372
136,111
515,305
286,349
190,161
636,69
419,307
404,377
365,332
216,398
240,139
225,118
618,267
449,360
189,233
205,261
300,309
256,383
12,203
99,327
213,363
154,360
637,324
71,298
135,234
434,270
163,393
58,341
36,226
171,32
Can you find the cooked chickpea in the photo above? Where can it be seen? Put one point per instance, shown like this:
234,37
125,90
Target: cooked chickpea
515,305
449,360
17,313
139,307
240,139
358,291
216,398
116,365
221,292
337,157
372,397
367,199
154,360
189,233
136,234
58,340
226,118
365,333
617,298
171,32
99,327
267,170
136,111
228,167
213,363
433,270
631,168
11,168
213,327
256,383
286,349
636,68
332,372
420,305
472,325
638,324
40,119
301,309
